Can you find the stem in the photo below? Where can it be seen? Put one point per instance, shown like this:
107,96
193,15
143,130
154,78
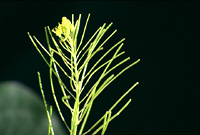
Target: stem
77,84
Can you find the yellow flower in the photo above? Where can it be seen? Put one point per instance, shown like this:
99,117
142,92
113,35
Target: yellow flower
58,30
66,22
68,26
65,29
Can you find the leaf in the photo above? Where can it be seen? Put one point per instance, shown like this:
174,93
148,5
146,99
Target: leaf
22,112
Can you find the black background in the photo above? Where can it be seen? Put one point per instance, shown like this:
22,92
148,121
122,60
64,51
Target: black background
164,35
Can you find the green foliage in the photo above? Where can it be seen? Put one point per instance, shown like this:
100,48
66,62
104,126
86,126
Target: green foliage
76,58
22,111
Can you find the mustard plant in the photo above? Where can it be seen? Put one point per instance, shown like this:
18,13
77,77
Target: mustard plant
76,56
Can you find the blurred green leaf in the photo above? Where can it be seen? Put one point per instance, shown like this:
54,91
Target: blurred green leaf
22,112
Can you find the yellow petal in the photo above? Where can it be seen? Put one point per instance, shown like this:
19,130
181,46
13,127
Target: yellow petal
66,22
58,32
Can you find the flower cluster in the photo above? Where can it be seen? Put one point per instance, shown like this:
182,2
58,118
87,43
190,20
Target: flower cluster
64,30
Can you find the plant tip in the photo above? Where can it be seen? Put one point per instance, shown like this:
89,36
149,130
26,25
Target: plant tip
80,75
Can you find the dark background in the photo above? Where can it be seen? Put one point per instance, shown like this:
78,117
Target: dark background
164,35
